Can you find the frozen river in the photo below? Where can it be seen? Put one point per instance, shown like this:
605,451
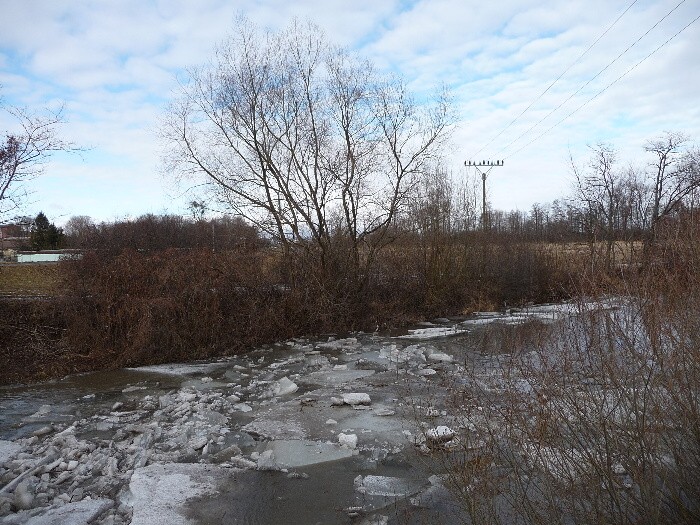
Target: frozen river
330,430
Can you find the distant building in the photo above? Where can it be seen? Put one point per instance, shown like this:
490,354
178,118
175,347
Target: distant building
15,236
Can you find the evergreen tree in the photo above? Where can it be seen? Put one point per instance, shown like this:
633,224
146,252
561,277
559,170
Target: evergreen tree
45,235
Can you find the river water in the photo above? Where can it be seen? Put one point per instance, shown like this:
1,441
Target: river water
328,430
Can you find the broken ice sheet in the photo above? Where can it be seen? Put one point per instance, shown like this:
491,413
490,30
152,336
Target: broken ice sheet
295,453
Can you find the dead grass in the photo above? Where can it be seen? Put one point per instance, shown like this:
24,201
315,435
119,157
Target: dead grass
625,252
32,280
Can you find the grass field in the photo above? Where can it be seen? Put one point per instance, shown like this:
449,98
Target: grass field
29,279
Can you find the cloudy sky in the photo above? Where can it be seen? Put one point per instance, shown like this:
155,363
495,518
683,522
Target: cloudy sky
527,85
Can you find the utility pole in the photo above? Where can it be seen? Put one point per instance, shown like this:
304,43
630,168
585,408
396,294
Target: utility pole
484,168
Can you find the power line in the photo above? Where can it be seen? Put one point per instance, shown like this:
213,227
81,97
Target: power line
590,80
556,79
604,89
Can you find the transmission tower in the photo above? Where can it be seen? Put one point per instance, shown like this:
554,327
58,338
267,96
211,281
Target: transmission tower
483,168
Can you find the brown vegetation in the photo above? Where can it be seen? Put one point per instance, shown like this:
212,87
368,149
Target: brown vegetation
596,420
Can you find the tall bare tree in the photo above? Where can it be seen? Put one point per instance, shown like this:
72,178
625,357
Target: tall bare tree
674,174
599,189
24,152
305,140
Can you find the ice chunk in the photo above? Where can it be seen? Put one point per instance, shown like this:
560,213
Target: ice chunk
340,344
8,450
432,333
133,388
24,495
396,355
347,440
42,413
356,398
79,513
523,386
284,386
375,520
295,453
440,434
440,357
243,407
158,494
334,377
387,486
266,461
240,462
199,443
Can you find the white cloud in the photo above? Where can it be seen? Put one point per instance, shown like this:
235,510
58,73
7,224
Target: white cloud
115,64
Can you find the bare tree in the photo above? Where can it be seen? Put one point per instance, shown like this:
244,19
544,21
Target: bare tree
674,173
24,153
599,189
81,231
304,140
